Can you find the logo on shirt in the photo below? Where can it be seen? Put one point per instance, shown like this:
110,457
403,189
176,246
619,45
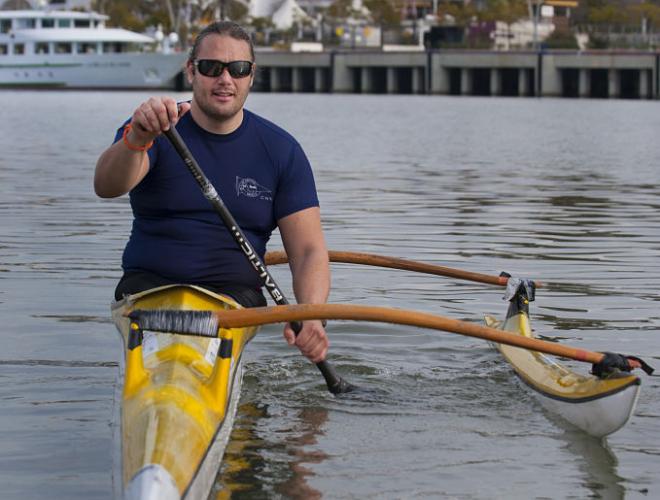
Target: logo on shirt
247,186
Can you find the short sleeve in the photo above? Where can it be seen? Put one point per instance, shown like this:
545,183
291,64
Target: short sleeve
296,188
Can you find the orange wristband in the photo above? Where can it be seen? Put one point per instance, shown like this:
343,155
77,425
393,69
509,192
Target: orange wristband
134,147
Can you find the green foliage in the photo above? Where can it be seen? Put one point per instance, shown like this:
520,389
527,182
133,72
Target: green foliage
462,13
561,40
262,23
134,15
647,11
383,12
605,14
236,11
596,17
598,42
506,11
340,9
616,16
122,14
16,5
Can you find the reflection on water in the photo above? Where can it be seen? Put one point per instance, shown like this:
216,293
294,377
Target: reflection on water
244,462
565,192
240,463
598,463
311,420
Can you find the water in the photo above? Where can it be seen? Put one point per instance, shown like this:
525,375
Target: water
562,191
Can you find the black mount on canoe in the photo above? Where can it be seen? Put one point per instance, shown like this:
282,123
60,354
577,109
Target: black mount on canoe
519,292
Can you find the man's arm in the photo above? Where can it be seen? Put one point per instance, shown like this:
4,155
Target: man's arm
304,243
119,168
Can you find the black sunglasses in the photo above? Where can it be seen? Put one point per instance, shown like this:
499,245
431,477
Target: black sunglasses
214,68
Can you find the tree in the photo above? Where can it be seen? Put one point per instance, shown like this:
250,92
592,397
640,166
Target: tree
236,11
133,14
16,5
383,12
341,9
462,14
606,15
561,40
122,14
644,15
506,11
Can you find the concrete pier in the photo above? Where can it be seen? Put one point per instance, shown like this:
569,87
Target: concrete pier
591,74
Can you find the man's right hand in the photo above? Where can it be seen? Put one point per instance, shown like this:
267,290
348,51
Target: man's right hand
123,165
153,117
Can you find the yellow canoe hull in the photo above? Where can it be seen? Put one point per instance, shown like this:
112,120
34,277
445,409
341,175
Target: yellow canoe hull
597,406
179,397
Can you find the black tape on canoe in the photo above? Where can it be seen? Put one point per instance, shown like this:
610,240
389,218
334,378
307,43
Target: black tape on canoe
224,351
197,323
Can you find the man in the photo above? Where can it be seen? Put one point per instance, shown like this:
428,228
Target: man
259,170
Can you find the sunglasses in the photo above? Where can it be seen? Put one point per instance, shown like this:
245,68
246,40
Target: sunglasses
214,68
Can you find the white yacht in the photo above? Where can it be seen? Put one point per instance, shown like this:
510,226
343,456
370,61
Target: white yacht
71,49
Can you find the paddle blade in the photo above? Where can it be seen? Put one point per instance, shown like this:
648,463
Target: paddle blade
336,384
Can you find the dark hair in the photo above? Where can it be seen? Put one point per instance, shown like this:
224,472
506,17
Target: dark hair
224,28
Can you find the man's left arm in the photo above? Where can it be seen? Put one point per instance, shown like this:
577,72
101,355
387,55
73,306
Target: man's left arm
304,243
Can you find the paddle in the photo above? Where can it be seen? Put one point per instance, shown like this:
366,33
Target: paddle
192,324
367,259
335,383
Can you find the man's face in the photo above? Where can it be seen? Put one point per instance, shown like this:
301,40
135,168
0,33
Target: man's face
221,98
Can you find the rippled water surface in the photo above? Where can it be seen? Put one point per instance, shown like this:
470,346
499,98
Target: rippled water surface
563,191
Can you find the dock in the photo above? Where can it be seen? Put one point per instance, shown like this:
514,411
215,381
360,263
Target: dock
553,73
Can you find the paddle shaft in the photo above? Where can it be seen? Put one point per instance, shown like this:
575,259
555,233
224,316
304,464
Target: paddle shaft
367,259
335,383
302,312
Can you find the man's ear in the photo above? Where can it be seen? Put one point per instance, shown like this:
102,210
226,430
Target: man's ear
254,72
190,71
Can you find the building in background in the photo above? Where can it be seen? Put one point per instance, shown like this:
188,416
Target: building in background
284,14
45,4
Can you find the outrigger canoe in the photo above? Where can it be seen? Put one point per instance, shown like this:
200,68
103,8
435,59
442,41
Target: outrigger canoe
179,397
597,405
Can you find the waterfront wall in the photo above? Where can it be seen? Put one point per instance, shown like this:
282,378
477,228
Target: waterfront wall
593,74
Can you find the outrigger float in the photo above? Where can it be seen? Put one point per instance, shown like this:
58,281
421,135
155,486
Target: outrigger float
599,405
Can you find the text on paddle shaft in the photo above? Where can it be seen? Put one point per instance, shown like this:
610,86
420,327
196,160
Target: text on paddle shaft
256,263
208,190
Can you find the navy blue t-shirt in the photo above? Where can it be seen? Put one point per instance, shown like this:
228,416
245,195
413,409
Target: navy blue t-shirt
260,172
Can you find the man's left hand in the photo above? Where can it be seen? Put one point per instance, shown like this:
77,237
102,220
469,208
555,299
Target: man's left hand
312,340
